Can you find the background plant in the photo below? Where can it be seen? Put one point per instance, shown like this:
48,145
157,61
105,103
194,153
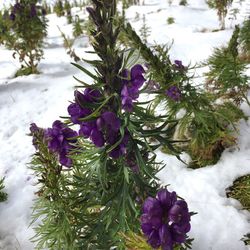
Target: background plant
23,31
3,195
222,8
226,74
205,127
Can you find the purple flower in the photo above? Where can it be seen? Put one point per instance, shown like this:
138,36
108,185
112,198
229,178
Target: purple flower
34,131
77,112
17,7
12,16
178,64
97,137
111,120
132,81
165,220
33,10
174,93
33,128
60,139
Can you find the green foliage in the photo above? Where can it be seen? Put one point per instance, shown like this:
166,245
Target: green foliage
58,8
78,28
145,30
67,8
128,3
3,195
246,239
240,190
222,8
205,129
226,74
170,20
68,45
23,30
244,41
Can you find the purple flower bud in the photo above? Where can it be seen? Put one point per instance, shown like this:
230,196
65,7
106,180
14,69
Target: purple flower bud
33,128
165,220
174,93
60,139
97,138
111,120
17,7
77,112
12,16
178,65
33,10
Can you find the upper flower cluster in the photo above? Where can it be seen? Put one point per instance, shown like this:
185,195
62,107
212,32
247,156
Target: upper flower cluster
60,140
132,82
100,130
165,220
18,9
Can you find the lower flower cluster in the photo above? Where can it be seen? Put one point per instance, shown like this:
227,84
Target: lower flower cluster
101,130
60,140
165,220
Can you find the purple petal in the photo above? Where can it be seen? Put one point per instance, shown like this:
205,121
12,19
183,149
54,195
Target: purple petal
137,71
112,120
97,138
154,239
165,236
166,198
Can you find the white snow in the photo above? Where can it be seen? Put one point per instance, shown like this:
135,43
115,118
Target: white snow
220,222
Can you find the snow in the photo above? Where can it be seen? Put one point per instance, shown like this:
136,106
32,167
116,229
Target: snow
220,222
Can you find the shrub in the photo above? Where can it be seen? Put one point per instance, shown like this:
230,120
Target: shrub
170,20
222,7
183,2
24,32
226,74
244,41
206,128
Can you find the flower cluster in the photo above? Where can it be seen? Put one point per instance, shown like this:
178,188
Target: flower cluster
165,220
174,93
34,130
132,82
60,139
18,8
100,130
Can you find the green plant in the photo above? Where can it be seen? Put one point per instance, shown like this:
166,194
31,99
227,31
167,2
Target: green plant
3,195
92,182
68,45
183,2
244,41
58,8
67,8
240,190
170,20
145,30
226,74
77,27
24,32
222,8
205,129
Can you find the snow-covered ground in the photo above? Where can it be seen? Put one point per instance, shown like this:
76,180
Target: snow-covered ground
220,222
